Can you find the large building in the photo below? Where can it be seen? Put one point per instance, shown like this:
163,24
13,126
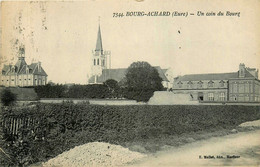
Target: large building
240,86
101,67
23,75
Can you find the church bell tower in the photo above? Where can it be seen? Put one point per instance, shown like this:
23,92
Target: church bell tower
98,58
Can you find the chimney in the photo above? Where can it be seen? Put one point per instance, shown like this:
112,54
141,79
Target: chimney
39,66
241,70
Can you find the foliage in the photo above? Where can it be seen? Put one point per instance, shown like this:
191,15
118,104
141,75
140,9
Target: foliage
7,97
60,127
141,81
74,91
113,87
50,91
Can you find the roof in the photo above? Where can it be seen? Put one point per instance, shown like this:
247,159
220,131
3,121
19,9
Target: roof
20,68
20,63
118,74
99,46
212,76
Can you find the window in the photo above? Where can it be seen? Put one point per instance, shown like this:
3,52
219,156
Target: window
210,84
97,61
94,62
12,79
211,96
200,84
29,79
247,87
241,88
190,84
179,84
25,79
222,83
235,88
222,96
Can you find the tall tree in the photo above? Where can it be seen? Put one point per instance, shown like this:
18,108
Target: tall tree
142,80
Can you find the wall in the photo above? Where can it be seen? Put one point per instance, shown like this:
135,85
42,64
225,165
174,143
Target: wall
244,90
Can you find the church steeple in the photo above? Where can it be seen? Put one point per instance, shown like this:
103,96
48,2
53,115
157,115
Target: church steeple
99,47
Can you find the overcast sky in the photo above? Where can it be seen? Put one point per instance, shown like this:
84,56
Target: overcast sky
62,35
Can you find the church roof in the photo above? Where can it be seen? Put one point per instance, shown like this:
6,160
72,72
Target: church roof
118,74
99,46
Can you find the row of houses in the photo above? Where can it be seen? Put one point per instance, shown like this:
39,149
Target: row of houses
242,85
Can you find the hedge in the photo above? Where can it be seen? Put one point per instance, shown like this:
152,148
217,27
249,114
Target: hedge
63,126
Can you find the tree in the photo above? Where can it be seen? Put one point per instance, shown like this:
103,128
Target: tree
141,81
7,97
112,87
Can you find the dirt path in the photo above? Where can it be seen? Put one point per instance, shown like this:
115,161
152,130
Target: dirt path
243,149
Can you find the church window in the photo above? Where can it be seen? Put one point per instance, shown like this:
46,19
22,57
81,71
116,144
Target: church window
94,62
97,61
211,96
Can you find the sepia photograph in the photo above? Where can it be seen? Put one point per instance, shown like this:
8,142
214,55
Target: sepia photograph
129,83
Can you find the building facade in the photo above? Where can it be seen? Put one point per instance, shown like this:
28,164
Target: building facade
22,75
241,86
101,67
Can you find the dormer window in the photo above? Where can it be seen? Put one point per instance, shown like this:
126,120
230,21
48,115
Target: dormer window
179,84
210,84
13,69
200,84
221,83
27,70
190,84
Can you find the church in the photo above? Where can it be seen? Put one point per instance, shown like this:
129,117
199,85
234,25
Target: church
101,67
22,75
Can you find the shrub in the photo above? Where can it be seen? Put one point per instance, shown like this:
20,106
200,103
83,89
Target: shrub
7,97
67,125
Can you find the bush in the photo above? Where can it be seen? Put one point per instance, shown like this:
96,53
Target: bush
67,125
7,97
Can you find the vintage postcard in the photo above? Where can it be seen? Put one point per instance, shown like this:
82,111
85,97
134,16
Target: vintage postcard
130,83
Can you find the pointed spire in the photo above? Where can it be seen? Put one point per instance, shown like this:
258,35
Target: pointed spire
99,41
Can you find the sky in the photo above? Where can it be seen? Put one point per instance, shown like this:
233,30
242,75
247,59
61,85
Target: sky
62,35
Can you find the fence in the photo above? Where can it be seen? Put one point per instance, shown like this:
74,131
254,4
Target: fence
13,125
